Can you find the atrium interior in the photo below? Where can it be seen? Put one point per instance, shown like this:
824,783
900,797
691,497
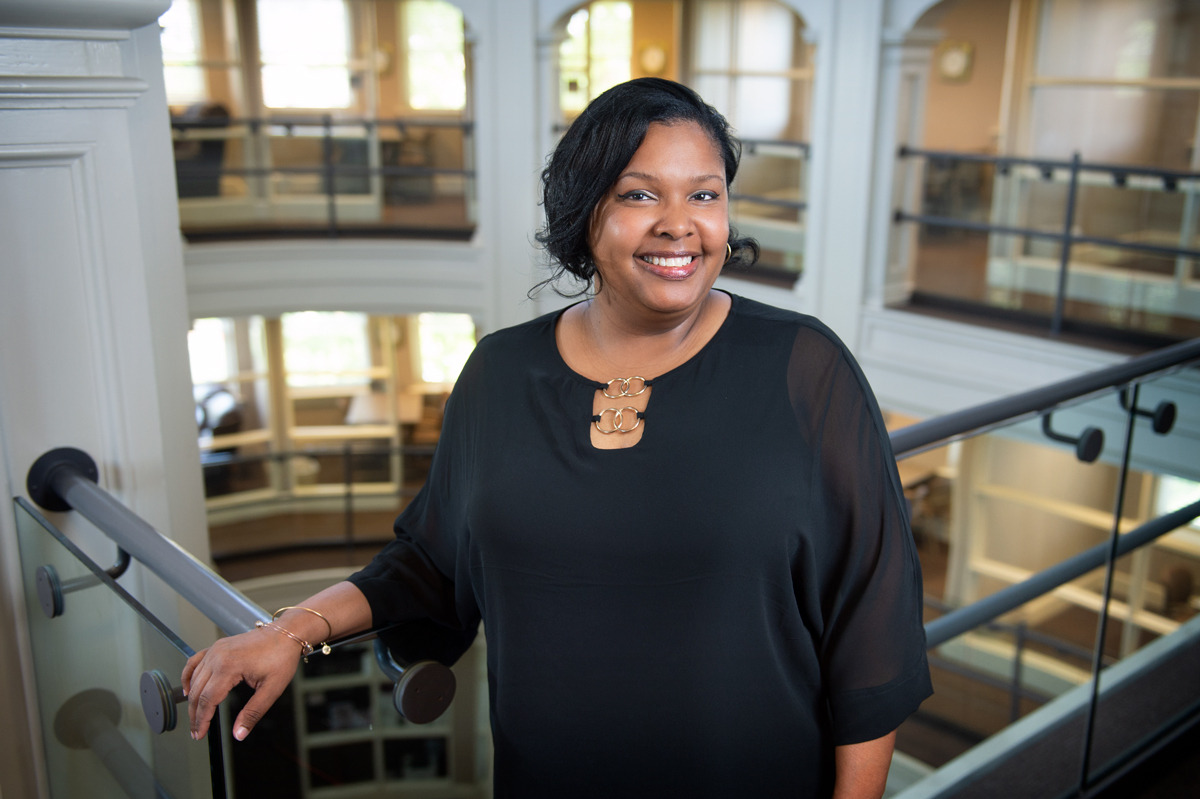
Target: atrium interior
253,242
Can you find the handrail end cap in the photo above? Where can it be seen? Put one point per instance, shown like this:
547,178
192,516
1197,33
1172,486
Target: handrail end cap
39,483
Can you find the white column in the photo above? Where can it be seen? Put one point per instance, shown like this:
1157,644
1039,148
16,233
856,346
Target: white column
904,75
836,267
508,145
92,306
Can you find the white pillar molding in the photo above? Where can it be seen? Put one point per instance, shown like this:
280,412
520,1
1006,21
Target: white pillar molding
843,160
96,16
64,68
815,13
904,73
904,15
508,147
551,13
550,114
93,313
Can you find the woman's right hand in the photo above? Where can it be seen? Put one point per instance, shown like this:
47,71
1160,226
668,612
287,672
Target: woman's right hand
261,658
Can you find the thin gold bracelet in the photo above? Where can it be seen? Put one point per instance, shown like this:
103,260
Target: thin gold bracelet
306,648
324,645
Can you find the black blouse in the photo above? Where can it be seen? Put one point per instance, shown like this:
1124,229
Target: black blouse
706,613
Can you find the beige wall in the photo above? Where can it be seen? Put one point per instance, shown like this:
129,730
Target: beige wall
655,23
965,116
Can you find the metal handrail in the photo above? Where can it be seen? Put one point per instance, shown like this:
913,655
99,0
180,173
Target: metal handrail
337,169
179,123
1029,404
955,623
329,129
795,205
65,479
1059,645
802,146
1118,171
235,460
1067,237
1050,235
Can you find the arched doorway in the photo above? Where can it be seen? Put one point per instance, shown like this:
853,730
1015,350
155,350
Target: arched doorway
1116,82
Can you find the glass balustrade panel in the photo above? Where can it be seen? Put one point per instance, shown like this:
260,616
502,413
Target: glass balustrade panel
994,510
1122,271
89,661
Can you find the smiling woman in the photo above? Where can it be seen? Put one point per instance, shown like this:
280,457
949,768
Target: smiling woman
665,219
675,511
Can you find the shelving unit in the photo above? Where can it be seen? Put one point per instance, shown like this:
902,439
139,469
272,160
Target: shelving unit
982,553
352,743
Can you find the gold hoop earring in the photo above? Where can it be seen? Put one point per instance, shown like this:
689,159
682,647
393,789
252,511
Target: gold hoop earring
728,252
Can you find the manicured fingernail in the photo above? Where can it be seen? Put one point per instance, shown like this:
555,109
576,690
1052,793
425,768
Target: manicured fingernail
240,733
194,738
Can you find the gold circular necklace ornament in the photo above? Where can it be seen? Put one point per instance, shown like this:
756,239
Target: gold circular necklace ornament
626,383
619,418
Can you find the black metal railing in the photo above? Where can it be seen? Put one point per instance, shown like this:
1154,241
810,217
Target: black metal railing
752,147
1031,404
214,463
1123,383
200,174
1169,180
1022,636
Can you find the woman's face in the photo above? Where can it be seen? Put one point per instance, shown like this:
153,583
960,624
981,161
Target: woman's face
658,237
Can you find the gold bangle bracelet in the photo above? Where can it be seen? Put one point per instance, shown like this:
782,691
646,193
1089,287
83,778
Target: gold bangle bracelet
328,626
306,648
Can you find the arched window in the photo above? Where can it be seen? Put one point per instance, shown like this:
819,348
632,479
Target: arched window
750,60
595,54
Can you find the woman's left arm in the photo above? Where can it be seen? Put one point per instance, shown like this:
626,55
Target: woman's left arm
862,769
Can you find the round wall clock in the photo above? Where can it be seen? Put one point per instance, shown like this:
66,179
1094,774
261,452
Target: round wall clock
954,61
653,59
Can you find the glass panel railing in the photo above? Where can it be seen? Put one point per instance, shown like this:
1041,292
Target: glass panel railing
403,177
994,510
92,644
1098,249
332,728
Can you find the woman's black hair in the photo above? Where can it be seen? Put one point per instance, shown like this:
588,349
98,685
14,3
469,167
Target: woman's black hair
596,148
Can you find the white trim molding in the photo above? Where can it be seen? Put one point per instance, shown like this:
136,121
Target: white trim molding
34,92
73,15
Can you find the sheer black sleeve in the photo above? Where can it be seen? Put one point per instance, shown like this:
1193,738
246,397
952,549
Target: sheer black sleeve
422,578
863,557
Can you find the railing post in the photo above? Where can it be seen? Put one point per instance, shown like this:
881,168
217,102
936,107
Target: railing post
330,191
348,477
1014,708
1110,567
1060,295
